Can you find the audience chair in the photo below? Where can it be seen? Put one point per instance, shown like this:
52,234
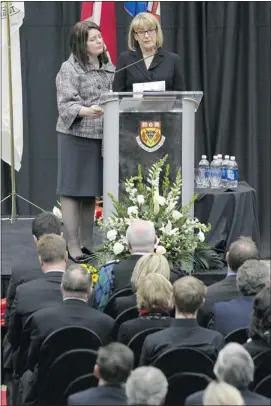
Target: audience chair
109,307
237,336
264,387
184,384
137,341
51,386
66,339
128,314
184,359
80,384
262,364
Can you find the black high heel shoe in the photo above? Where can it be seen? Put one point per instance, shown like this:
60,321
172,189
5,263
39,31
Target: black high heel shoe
86,251
81,259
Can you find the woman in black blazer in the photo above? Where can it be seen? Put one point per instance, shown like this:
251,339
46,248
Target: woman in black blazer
145,40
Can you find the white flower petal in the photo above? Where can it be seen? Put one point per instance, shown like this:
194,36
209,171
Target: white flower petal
160,250
118,248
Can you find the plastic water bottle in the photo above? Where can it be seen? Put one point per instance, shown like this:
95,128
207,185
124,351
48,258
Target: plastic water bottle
215,173
203,173
233,173
220,159
224,171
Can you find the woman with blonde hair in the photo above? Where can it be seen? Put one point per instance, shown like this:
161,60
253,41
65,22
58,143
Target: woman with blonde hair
145,40
221,393
154,303
148,263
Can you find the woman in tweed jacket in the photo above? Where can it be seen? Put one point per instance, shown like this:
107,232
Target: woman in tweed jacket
80,82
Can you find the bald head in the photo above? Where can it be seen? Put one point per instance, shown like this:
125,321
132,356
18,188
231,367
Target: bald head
76,282
141,236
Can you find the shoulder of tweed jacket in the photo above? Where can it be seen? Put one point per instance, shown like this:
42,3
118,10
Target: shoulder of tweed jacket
77,87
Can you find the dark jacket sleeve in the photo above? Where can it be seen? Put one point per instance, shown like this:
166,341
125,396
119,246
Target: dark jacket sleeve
15,326
119,82
178,77
144,358
11,292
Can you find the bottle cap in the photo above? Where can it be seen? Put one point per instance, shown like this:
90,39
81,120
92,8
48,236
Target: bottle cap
232,158
204,157
219,156
215,157
227,156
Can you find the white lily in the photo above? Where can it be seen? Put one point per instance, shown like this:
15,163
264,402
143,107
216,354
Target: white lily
111,235
118,248
201,236
176,215
168,229
160,250
132,210
140,199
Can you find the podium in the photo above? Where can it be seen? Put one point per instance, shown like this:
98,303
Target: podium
116,103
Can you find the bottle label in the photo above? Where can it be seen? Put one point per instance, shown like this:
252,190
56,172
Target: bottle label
224,173
232,174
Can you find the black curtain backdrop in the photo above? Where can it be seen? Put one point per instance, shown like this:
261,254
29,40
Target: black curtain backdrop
225,52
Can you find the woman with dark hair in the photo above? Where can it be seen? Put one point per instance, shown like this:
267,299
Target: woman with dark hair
260,328
80,82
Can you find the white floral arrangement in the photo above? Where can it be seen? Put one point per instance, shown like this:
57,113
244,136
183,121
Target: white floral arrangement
181,238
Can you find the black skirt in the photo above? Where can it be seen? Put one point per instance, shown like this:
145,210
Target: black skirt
80,166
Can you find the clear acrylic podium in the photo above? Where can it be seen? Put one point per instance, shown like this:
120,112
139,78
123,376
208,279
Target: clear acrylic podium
185,103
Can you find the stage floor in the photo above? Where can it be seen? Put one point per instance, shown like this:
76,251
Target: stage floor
17,243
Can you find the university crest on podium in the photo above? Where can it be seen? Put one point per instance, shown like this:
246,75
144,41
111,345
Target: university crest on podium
150,137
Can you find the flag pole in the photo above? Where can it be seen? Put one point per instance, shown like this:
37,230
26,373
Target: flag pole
13,193
12,160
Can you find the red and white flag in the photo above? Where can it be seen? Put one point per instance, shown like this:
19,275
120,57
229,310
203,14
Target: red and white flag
103,13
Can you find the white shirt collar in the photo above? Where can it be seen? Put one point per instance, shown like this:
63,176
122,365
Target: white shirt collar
140,253
74,298
54,270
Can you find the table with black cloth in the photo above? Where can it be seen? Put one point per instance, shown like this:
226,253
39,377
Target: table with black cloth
231,212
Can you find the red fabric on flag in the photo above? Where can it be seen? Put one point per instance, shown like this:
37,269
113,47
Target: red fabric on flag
107,24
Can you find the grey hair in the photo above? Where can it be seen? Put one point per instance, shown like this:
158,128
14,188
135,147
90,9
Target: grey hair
146,386
141,236
235,366
76,279
241,250
252,277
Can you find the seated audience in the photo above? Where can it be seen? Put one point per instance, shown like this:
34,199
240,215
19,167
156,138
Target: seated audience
39,293
188,294
222,394
149,263
76,287
252,276
234,366
260,328
141,239
44,223
146,386
239,251
154,302
113,366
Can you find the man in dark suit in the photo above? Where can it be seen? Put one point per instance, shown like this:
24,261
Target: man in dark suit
44,223
113,366
141,238
39,293
252,277
239,251
76,287
234,366
188,295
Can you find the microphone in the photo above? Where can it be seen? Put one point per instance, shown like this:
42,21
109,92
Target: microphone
131,64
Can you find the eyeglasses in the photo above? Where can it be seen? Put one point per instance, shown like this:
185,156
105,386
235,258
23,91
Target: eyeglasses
141,34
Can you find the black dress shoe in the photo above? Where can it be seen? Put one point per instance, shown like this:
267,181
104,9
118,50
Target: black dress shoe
86,251
81,259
